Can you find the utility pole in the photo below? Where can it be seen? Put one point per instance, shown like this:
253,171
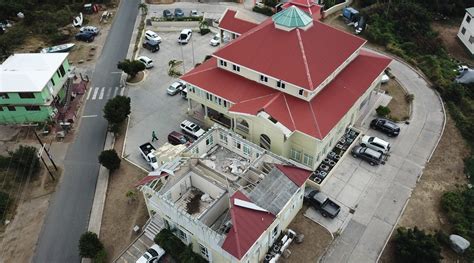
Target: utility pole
47,168
47,152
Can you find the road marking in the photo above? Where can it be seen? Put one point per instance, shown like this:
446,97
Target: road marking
89,94
108,92
96,90
116,72
101,96
122,90
115,91
89,116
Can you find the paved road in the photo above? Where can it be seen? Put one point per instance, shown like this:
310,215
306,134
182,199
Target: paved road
68,214
378,194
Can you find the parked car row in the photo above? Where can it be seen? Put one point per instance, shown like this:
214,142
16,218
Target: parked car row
178,12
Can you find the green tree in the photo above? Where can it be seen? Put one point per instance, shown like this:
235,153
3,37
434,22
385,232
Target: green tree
117,109
89,245
415,246
4,201
109,159
25,158
131,196
382,111
131,67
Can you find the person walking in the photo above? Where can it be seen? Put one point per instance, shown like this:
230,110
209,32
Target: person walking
153,137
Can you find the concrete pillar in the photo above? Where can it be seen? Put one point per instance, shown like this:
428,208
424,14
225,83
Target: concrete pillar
189,106
205,112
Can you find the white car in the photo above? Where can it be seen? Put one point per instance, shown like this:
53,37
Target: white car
176,87
194,13
385,79
146,60
185,36
90,29
375,143
153,254
215,41
192,129
150,35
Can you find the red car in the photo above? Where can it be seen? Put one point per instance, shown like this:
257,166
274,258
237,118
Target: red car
176,138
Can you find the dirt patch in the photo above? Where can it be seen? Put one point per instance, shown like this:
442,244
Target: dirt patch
399,106
448,33
444,172
121,214
139,77
316,239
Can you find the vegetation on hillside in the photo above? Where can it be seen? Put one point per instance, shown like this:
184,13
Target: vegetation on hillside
415,246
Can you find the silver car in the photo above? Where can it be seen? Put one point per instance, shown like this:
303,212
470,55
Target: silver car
175,88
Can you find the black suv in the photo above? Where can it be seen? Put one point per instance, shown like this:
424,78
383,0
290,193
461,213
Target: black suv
371,156
151,45
85,36
385,126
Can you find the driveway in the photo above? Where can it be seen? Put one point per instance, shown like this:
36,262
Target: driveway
378,195
152,108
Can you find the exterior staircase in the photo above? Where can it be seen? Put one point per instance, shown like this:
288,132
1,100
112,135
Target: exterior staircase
154,226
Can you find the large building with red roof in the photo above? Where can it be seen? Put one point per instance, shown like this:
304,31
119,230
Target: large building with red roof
228,198
291,84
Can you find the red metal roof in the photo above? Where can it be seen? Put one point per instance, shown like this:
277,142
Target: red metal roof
149,178
304,58
315,118
295,174
231,23
247,226
308,6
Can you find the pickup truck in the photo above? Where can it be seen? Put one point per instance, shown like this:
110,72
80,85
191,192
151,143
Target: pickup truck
192,129
148,152
321,202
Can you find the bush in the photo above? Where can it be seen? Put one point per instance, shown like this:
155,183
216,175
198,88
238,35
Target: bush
204,31
4,202
382,111
409,98
469,168
177,249
131,67
110,160
414,246
90,245
26,160
263,10
117,109
101,257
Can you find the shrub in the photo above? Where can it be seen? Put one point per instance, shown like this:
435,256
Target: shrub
26,160
409,98
469,167
131,67
263,10
414,246
382,111
101,257
117,109
109,159
204,31
177,249
4,201
89,245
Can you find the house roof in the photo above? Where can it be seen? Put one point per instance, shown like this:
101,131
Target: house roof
230,22
29,72
470,10
247,226
292,17
315,118
304,58
295,174
308,6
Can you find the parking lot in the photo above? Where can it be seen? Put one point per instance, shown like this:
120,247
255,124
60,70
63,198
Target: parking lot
152,108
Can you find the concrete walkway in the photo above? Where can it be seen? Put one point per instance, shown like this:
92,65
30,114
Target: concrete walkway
388,191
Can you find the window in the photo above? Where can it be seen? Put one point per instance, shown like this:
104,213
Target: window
52,81
246,149
263,78
209,140
207,95
463,31
223,63
242,125
62,71
223,137
468,19
307,159
280,84
27,95
225,103
220,101
211,97
204,251
237,144
265,142
195,150
11,108
4,96
300,92
471,39
32,108
295,155
236,68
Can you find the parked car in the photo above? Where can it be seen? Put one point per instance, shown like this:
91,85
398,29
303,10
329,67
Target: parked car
194,13
360,25
152,255
176,138
321,202
167,13
192,129
85,36
150,35
151,45
185,36
375,143
371,156
175,88
178,12
385,126
90,29
146,60
215,41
